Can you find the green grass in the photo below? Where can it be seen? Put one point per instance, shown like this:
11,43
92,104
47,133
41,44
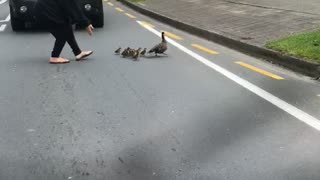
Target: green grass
305,46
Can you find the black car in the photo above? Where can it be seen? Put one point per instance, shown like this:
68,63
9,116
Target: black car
22,11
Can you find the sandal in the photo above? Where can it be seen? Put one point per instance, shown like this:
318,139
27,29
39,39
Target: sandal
83,55
59,61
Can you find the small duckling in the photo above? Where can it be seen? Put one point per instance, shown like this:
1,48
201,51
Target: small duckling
118,51
143,52
131,52
136,54
125,52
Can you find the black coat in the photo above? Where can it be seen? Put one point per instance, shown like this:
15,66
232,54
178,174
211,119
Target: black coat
60,12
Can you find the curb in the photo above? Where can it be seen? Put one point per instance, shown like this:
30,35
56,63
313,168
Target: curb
289,62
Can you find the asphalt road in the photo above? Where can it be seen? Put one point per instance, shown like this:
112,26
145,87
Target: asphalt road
188,115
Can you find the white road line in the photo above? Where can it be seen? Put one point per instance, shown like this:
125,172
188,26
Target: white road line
2,1
6,20
3,27
290,109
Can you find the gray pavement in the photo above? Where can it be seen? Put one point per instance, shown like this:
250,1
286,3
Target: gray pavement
305,6
158,118
252,21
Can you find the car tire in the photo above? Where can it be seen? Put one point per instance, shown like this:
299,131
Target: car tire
16,24
98,21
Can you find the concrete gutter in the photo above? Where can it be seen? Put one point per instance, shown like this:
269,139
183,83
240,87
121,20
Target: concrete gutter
289,62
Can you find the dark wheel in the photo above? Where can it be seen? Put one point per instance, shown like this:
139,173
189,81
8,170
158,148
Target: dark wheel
98,21
16,24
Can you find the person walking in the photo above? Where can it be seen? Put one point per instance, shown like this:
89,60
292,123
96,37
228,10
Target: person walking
58,16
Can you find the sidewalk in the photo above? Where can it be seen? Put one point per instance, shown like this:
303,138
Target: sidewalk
251,21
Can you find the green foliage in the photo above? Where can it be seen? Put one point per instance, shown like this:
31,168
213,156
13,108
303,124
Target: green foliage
305,46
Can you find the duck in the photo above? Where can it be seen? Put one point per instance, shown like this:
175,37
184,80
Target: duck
125,52
118,50
143,52
136,54
161,47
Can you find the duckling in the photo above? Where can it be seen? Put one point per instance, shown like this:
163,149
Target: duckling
161,47
136,54
131,52
125,52
143,52
118,51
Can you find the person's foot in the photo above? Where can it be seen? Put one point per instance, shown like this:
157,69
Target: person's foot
58,60
83,55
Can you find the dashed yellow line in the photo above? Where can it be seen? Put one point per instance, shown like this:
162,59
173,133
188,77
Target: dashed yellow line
130,16
119,9
173,36
260,71
105,0
201,48
147,24
141,4
110,4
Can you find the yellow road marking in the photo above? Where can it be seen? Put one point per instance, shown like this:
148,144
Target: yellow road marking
141,4
173,36
120,10
147,24
105,0
130,16
263,72
201,48
110,4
